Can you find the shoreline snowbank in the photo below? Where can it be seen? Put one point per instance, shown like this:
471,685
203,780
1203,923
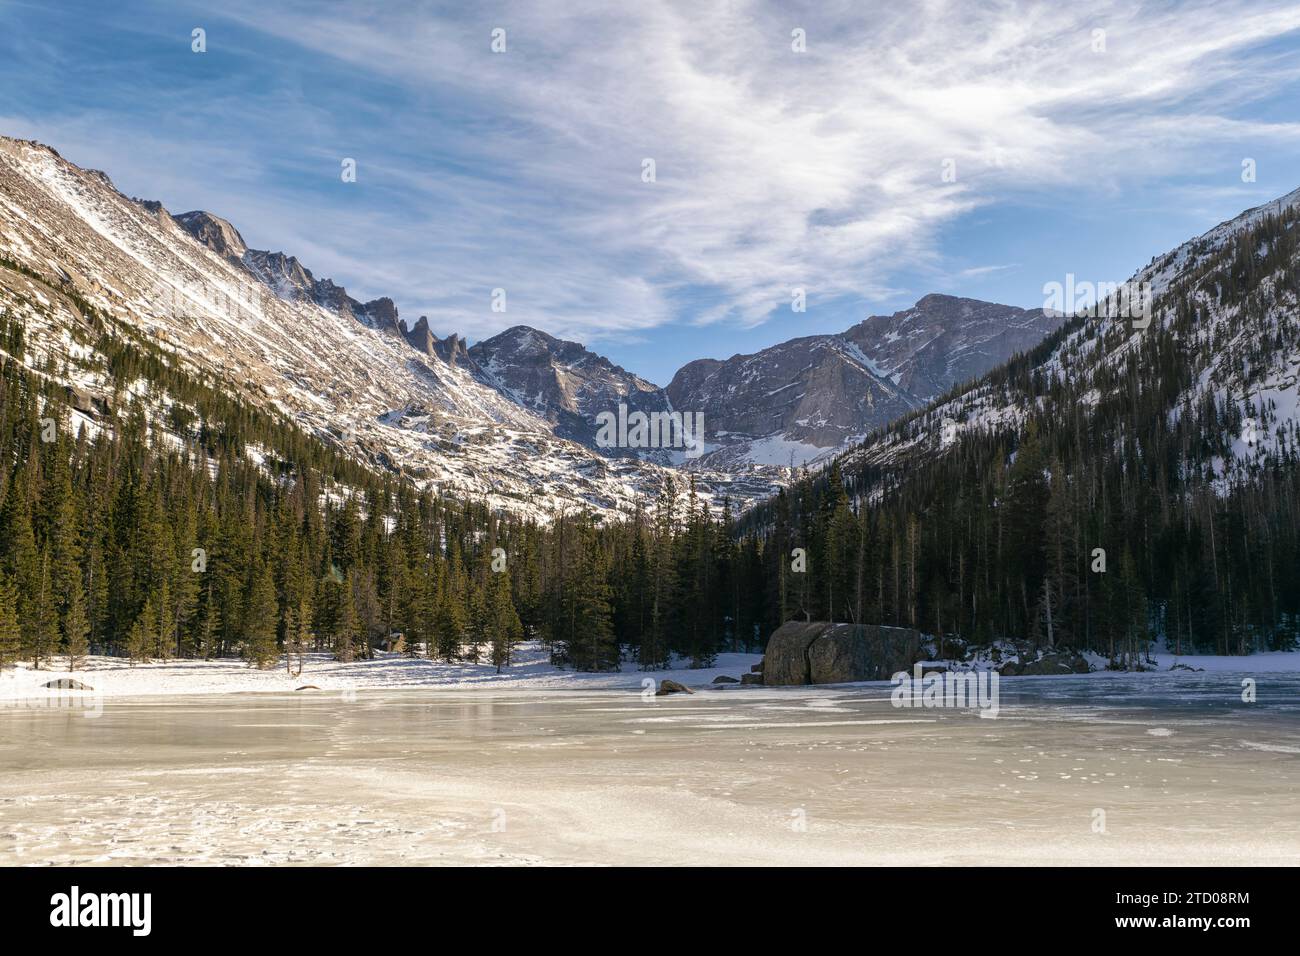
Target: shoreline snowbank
532,670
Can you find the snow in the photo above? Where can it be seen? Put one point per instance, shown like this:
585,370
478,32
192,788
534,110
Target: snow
115,677
778,450
1262,662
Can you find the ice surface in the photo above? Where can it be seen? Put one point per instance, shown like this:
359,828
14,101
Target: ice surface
1184,771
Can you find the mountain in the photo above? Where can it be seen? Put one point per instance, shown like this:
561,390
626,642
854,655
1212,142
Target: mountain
810,397
1135,477
284,275
399,399
1219,335
789,403
512,419
564,382
945,340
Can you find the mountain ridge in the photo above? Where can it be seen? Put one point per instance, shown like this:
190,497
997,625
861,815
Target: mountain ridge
268,327
467,414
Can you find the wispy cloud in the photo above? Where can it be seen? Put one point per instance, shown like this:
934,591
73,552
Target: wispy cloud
775,169
976,271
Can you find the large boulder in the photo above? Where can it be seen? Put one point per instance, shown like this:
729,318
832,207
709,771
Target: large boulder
87,402
786,658
838,655
823,653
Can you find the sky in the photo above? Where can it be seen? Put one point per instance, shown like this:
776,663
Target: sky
866,153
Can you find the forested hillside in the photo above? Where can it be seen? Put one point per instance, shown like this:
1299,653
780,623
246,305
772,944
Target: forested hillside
180,520
1115,484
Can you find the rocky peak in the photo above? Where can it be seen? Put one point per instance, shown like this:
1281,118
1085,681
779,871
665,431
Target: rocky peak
453,350
381,314
420,337
214,232
564,381
284,274
808,396
944,340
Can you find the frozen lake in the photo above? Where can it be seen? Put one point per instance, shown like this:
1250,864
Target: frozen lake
1184,771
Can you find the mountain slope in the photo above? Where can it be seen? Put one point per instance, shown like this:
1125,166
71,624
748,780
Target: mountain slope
1133,478
1221,335
514,418
564,382
809,397
301,345
945,340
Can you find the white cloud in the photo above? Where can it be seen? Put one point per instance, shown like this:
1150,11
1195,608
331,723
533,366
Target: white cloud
775,169
778,169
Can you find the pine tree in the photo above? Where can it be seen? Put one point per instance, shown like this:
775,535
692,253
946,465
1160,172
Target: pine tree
208,624
141,638
478,627
415,610
260,620
42,618
18,555
97,597
589,640
297,633
346,626
449,608
166,620
449,625
663,617
10,632
505,628
75,628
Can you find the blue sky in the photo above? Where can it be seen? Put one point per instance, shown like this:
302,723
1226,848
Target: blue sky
1074,151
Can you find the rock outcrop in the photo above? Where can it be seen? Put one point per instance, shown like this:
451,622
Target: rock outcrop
667,687
421,337
566,383
822,653
66,683
1050,663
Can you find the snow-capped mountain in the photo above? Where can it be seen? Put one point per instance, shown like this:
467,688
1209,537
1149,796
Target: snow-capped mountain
511,420
789,403
944,340
564,382
262,323
801,401
808,398
1216,355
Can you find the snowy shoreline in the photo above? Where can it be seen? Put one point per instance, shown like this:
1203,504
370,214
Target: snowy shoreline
532,671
